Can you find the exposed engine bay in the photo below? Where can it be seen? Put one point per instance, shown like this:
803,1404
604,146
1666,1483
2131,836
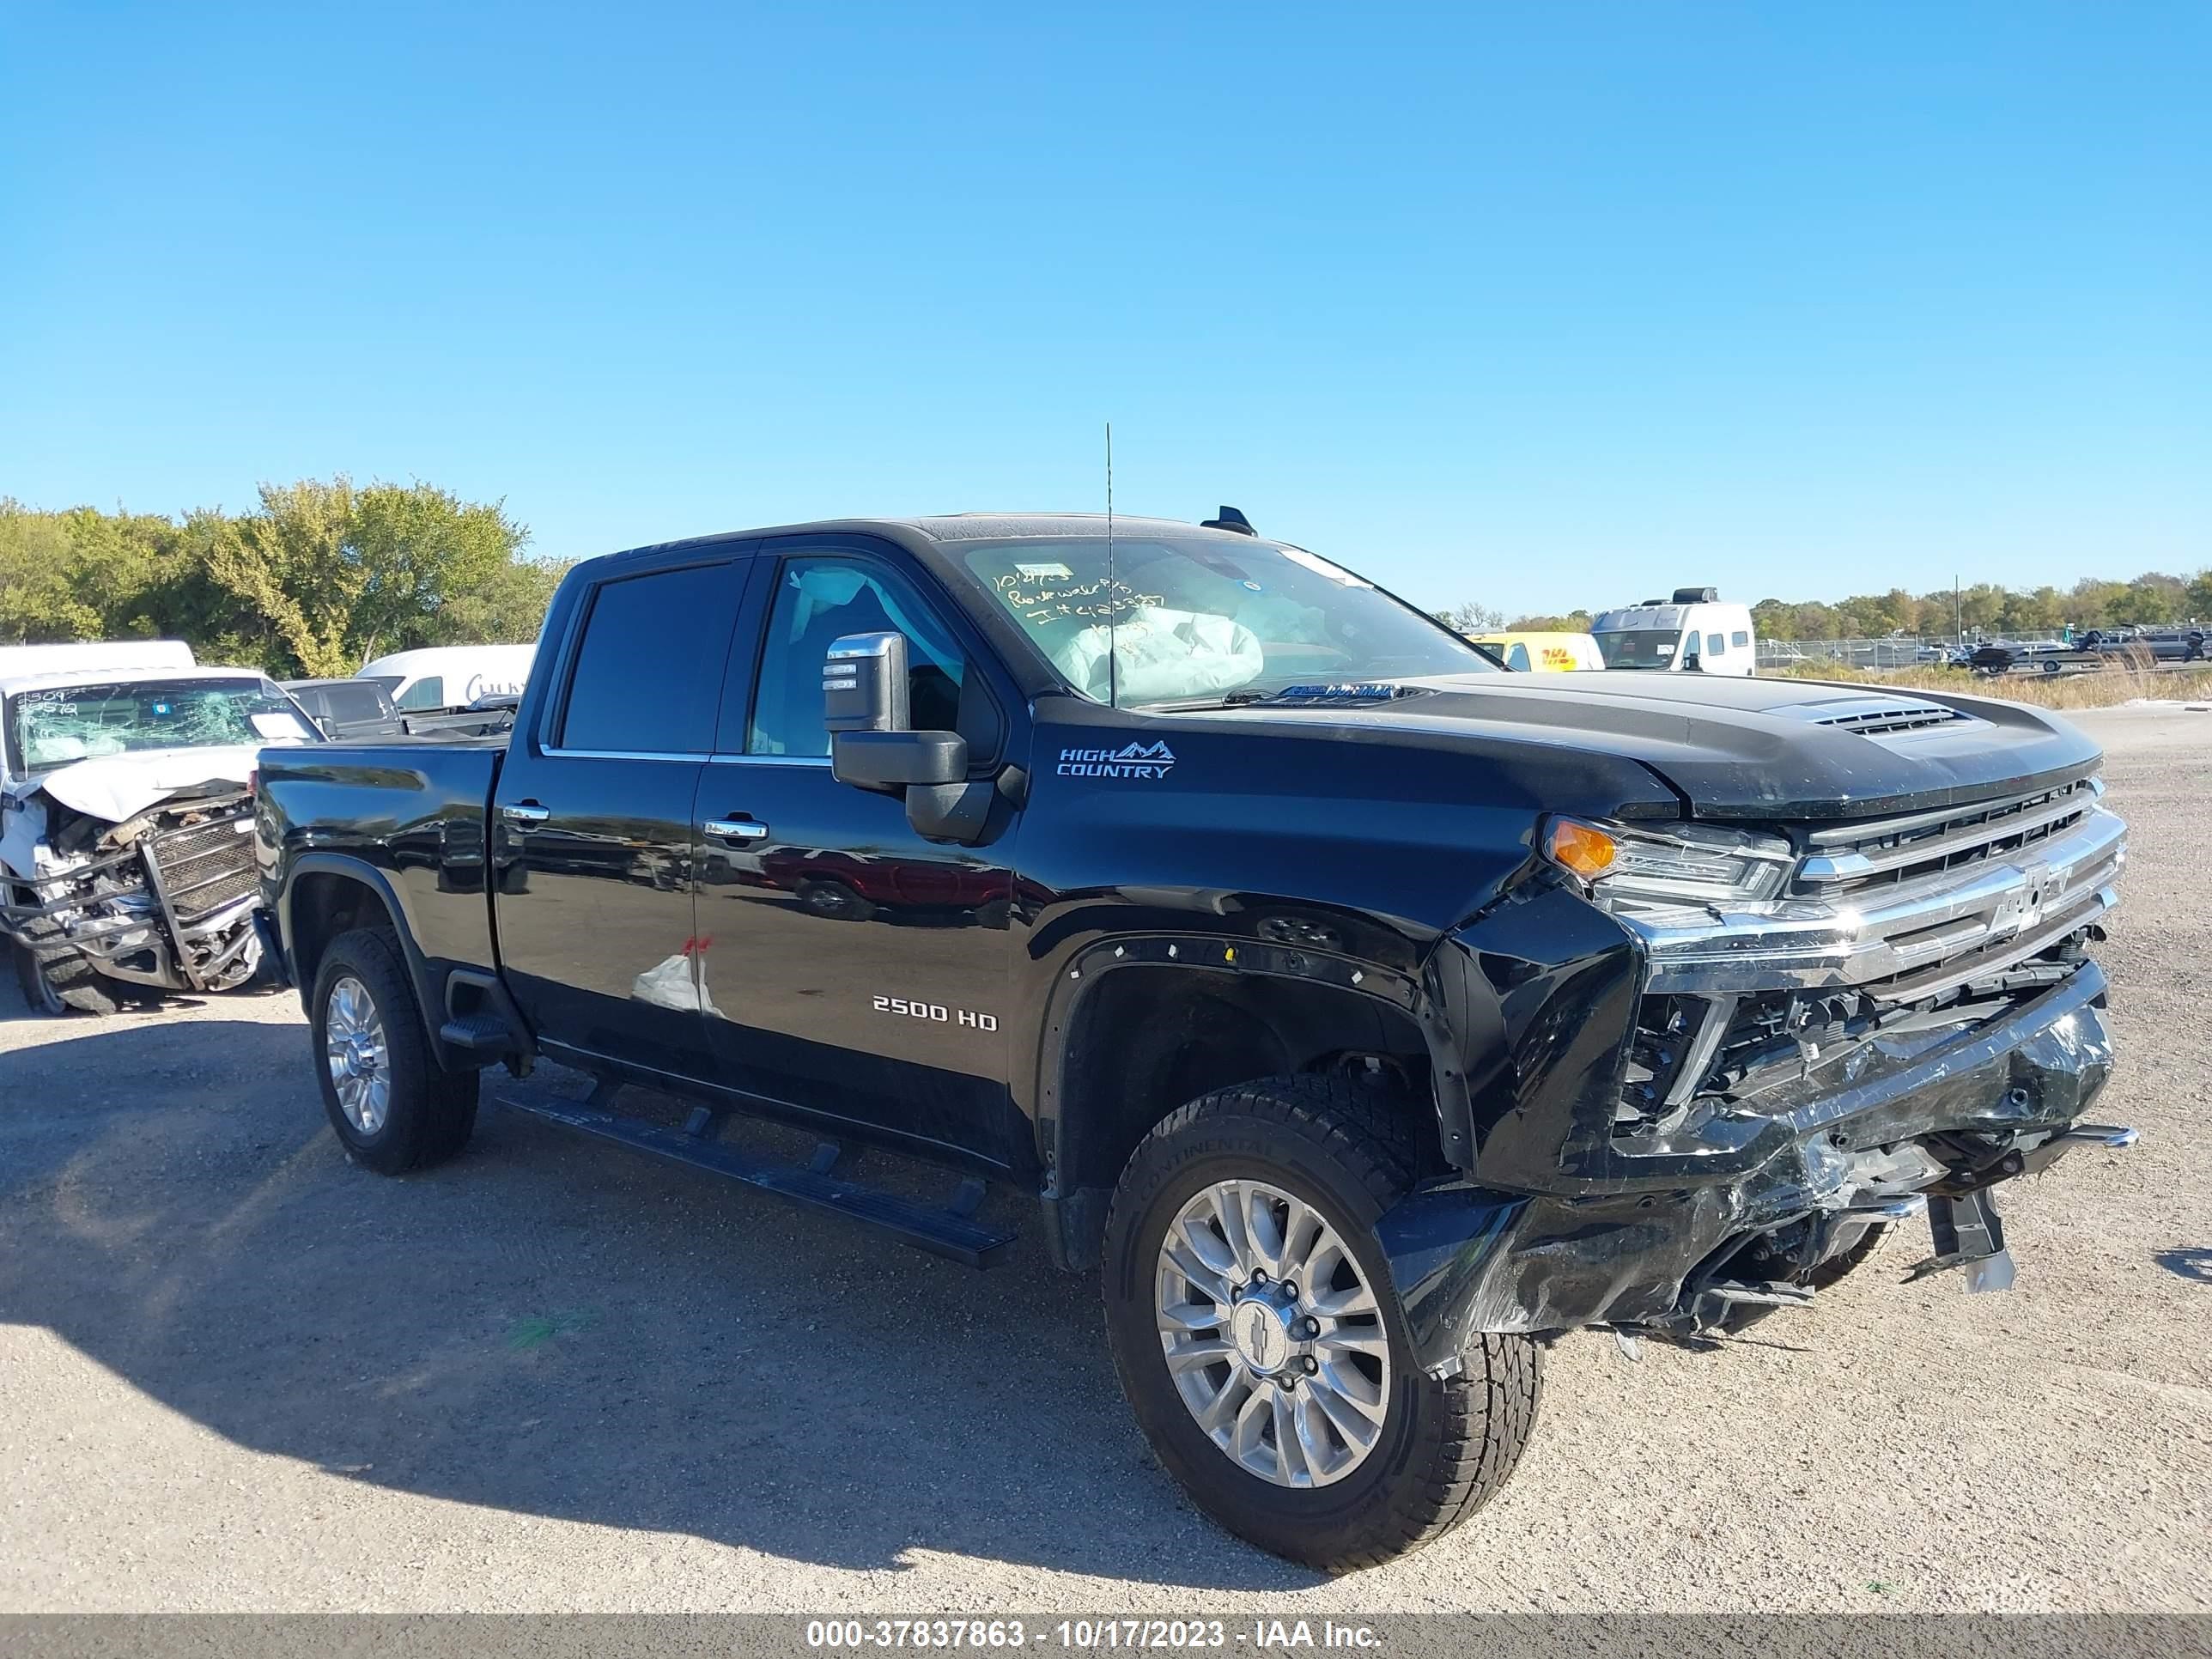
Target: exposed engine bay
164,898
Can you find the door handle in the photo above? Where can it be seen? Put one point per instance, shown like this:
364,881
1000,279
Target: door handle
526,812
735,830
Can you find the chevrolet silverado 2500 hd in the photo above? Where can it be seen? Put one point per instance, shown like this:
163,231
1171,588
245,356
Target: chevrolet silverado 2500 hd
1364,1014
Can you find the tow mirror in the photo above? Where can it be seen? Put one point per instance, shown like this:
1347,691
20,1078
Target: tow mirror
930,769
864,684
872,745
895,760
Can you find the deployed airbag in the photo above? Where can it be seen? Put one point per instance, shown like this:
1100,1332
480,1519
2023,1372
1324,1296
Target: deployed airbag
1159,654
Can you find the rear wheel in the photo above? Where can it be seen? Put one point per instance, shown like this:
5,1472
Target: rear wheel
395,1108
1260,1343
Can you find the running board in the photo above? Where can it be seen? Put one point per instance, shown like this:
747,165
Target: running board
951,1232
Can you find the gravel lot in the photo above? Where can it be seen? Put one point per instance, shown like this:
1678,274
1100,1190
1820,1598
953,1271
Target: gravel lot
237,1373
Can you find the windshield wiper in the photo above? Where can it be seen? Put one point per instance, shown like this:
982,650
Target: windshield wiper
1295,697
1334,692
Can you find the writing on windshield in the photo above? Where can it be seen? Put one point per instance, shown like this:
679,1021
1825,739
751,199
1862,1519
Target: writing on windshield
1178,619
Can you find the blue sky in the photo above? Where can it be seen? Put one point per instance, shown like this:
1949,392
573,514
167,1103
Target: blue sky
1535,305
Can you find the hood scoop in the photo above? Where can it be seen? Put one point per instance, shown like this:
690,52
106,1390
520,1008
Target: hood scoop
1877,717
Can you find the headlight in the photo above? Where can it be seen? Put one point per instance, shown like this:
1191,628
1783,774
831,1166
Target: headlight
1685,864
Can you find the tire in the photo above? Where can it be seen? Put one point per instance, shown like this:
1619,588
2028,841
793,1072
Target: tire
425,1114
1443,1448
38,993
58,986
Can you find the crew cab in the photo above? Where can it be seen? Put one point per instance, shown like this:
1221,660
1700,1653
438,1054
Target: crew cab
1363,1015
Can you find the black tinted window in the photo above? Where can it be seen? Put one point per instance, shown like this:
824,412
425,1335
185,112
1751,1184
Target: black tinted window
351,702
648,674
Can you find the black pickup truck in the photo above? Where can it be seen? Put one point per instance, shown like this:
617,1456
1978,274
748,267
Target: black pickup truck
1364,1015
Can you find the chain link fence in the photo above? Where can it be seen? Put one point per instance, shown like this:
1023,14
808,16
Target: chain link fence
1895,652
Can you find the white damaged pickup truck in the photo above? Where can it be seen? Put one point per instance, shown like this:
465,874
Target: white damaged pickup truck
126,846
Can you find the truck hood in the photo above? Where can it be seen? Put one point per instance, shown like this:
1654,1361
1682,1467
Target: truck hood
118,786
1745,749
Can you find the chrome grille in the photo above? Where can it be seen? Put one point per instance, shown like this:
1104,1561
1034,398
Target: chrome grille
1859,858
206,867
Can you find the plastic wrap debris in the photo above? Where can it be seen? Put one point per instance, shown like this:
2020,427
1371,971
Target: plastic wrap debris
671,984
1160,654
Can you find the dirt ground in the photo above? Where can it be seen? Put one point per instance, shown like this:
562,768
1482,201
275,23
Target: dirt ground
238,1373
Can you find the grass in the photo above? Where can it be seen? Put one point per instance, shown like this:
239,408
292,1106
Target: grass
2106,688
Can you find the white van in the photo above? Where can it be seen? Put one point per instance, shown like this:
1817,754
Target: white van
451,676
1694,633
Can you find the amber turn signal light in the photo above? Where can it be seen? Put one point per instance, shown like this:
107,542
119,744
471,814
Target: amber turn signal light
1587,851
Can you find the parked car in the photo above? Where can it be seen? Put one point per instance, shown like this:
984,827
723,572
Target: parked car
1696,633
450,676
125,818
1361,1013
348,708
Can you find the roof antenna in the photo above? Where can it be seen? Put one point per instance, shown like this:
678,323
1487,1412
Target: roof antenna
1113,594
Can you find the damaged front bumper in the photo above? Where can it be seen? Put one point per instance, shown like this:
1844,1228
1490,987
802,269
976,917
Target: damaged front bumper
167,900
1701,1240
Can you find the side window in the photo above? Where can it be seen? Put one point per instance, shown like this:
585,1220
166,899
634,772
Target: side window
1715,646
1739,639
428,693
817,601
648,673
1517,657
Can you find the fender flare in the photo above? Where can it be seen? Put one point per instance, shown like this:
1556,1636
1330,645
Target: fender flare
429,990
1077,976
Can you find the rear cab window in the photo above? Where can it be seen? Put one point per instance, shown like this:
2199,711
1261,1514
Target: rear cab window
648,671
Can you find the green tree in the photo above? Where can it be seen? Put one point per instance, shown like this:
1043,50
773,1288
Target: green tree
315,579
1471,618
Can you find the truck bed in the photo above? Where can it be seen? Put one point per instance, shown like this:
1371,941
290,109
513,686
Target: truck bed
414,811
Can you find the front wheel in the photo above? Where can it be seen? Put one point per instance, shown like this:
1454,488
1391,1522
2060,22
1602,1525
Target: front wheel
59,983
395,1108
1260,1340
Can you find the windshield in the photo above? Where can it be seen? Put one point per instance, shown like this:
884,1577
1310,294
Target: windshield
56,726
1640,647
1200,619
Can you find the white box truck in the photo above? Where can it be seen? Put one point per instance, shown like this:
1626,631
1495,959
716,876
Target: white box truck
1693,632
